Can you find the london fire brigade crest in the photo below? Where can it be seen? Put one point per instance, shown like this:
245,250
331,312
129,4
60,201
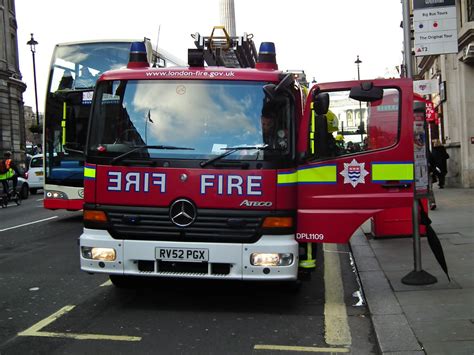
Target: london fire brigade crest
354,173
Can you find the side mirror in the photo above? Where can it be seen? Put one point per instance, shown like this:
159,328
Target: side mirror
366,92
270,91
321,103
285,83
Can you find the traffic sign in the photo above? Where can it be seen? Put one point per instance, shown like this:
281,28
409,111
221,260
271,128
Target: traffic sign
435,27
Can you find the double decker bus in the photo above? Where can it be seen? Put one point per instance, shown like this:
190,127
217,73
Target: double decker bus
74,70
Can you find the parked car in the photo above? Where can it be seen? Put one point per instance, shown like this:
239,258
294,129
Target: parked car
35,173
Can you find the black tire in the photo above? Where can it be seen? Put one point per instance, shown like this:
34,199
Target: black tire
124,282
33,191
24,191
17,199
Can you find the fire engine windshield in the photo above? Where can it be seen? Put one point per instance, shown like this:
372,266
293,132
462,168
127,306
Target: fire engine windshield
208,118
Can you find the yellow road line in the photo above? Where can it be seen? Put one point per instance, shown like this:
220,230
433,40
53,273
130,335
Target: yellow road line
78,336
43,323
308,349
34,331
106,283
335,315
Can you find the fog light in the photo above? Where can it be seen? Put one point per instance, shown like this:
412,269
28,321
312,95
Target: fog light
271,259
104,254
56,194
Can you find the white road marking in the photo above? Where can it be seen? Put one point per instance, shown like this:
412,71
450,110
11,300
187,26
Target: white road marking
29,223
336,324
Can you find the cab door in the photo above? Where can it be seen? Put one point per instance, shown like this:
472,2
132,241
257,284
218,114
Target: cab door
357,156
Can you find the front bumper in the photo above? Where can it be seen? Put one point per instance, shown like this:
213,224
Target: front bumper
132,255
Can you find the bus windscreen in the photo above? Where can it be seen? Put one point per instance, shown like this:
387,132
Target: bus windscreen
75,68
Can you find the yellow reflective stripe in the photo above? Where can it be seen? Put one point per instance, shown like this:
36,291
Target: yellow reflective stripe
392,171
63,124
89,173
287,178
318,174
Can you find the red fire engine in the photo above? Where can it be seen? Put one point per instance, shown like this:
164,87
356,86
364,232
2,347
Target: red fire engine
221,172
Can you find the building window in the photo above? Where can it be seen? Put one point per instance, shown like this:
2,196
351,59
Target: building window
470,10
350,120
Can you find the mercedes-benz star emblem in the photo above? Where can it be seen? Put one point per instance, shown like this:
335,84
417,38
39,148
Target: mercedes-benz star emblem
182,212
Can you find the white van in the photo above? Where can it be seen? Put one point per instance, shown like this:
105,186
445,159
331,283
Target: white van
35,173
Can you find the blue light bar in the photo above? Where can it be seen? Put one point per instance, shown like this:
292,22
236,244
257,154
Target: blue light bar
267,48
267,57
138,56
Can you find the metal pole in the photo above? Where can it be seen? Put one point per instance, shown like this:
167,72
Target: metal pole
36,90
32,43
416,236
409,74
407,39
358,61
418,276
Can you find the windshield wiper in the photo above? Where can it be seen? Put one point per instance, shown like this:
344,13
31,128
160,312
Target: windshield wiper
231,150
70,150
137,148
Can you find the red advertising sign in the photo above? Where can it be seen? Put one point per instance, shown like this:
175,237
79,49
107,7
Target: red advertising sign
430,112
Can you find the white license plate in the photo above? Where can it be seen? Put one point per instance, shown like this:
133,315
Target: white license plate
182,254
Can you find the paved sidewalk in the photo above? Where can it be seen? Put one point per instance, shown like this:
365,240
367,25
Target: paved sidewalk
432,319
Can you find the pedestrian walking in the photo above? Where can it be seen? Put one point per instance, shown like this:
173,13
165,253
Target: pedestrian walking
431,179
440,157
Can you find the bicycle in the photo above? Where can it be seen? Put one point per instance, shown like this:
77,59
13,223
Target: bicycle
11,196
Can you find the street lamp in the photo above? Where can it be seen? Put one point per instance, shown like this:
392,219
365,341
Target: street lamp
361,126
358,61
32,43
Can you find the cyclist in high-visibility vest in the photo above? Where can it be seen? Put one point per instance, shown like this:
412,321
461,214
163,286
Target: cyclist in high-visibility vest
8,171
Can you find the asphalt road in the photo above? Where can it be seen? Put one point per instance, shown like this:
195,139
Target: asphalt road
48,306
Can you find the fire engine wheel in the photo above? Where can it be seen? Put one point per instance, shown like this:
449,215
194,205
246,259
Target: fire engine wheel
121,281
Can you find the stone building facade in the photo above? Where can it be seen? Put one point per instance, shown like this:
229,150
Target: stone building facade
12,121
455,102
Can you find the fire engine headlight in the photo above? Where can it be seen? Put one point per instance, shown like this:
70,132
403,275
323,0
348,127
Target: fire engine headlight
56,194
271,259
102,254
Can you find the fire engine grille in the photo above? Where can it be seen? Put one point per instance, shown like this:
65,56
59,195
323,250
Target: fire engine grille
223,226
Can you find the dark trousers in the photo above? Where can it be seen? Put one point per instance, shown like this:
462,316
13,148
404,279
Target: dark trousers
440,177
14,180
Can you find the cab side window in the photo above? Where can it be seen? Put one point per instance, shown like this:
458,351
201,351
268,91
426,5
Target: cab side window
349,126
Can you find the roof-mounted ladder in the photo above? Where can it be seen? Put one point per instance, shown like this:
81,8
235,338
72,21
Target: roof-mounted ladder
230,52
